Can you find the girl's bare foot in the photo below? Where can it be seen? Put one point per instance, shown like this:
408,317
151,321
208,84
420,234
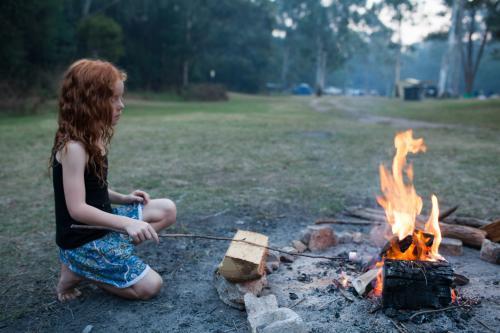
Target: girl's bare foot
66,290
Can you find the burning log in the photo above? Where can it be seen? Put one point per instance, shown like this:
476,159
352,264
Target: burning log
404,244
472,237
411,284
492,231
245,262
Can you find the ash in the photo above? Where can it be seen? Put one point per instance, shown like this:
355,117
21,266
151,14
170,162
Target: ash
311,288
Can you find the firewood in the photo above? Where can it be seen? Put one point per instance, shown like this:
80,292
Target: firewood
460,280
363,214
245,262
472,237
444,214
467,221
416,284
469,236
492,231
362,281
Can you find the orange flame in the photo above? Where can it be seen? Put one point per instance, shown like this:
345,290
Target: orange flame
402,205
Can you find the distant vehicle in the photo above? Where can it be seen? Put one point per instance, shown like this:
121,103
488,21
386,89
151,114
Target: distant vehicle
334,91
355,92
302,89
430,91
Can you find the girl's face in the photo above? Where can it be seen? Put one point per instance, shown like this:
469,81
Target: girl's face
117,101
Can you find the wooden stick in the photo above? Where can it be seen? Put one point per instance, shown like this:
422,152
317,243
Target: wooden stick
486,326
468,221
346,221
447,213
431,311
94,227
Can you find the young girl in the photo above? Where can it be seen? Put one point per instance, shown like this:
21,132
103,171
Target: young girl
90,105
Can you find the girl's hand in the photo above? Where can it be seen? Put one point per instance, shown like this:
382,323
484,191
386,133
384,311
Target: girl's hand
137,196
141,231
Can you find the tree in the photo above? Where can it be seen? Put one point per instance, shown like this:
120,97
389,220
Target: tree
482,18
400,10
318,34
100,37
449,72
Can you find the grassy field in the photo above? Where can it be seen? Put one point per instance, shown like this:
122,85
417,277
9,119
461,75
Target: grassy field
269,155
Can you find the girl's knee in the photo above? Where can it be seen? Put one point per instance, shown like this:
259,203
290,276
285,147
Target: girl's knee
169,211
149,286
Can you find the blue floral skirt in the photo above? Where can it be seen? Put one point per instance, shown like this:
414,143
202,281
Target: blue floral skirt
110,259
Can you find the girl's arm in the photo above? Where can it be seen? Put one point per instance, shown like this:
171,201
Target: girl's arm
73,159
122,199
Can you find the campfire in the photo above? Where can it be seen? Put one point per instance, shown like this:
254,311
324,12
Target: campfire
412,273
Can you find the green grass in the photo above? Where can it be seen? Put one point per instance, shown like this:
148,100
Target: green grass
472,112
270,156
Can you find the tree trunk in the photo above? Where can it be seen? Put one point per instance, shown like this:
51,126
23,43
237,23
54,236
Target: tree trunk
449,72
397,68
185,63
284,68
320,66
86,7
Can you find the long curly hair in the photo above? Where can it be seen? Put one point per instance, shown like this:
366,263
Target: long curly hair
86,111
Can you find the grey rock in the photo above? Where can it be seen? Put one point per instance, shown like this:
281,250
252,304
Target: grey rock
344,237
321,238
264,316
490,252
285,257
451,246
233,294
299,246
88,329
257,305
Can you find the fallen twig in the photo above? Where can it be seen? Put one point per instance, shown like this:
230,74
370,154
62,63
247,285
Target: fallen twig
213,215
437,310
485,326
78,226
297,303
447,213
399,326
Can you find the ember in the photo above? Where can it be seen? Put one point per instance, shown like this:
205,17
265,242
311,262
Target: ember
409,247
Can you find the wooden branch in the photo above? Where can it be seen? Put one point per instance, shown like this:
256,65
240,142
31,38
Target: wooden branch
327,220
472,237
361,213
467,221
448,212
431,311
93,227
492,231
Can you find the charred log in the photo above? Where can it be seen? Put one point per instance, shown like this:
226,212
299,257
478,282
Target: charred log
416,284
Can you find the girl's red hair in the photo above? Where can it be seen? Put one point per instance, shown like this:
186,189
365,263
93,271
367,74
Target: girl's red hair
86,111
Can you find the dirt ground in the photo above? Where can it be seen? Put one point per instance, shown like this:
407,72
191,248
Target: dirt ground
270,165
188,301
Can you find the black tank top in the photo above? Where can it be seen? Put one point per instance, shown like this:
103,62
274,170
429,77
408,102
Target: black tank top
96,195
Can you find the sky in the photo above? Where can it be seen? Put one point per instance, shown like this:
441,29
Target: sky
419,23
422,21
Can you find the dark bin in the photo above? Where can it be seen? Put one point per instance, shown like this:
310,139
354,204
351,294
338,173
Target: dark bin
413,93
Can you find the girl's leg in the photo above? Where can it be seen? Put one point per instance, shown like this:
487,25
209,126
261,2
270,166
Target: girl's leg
66,290
160,213
146,288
